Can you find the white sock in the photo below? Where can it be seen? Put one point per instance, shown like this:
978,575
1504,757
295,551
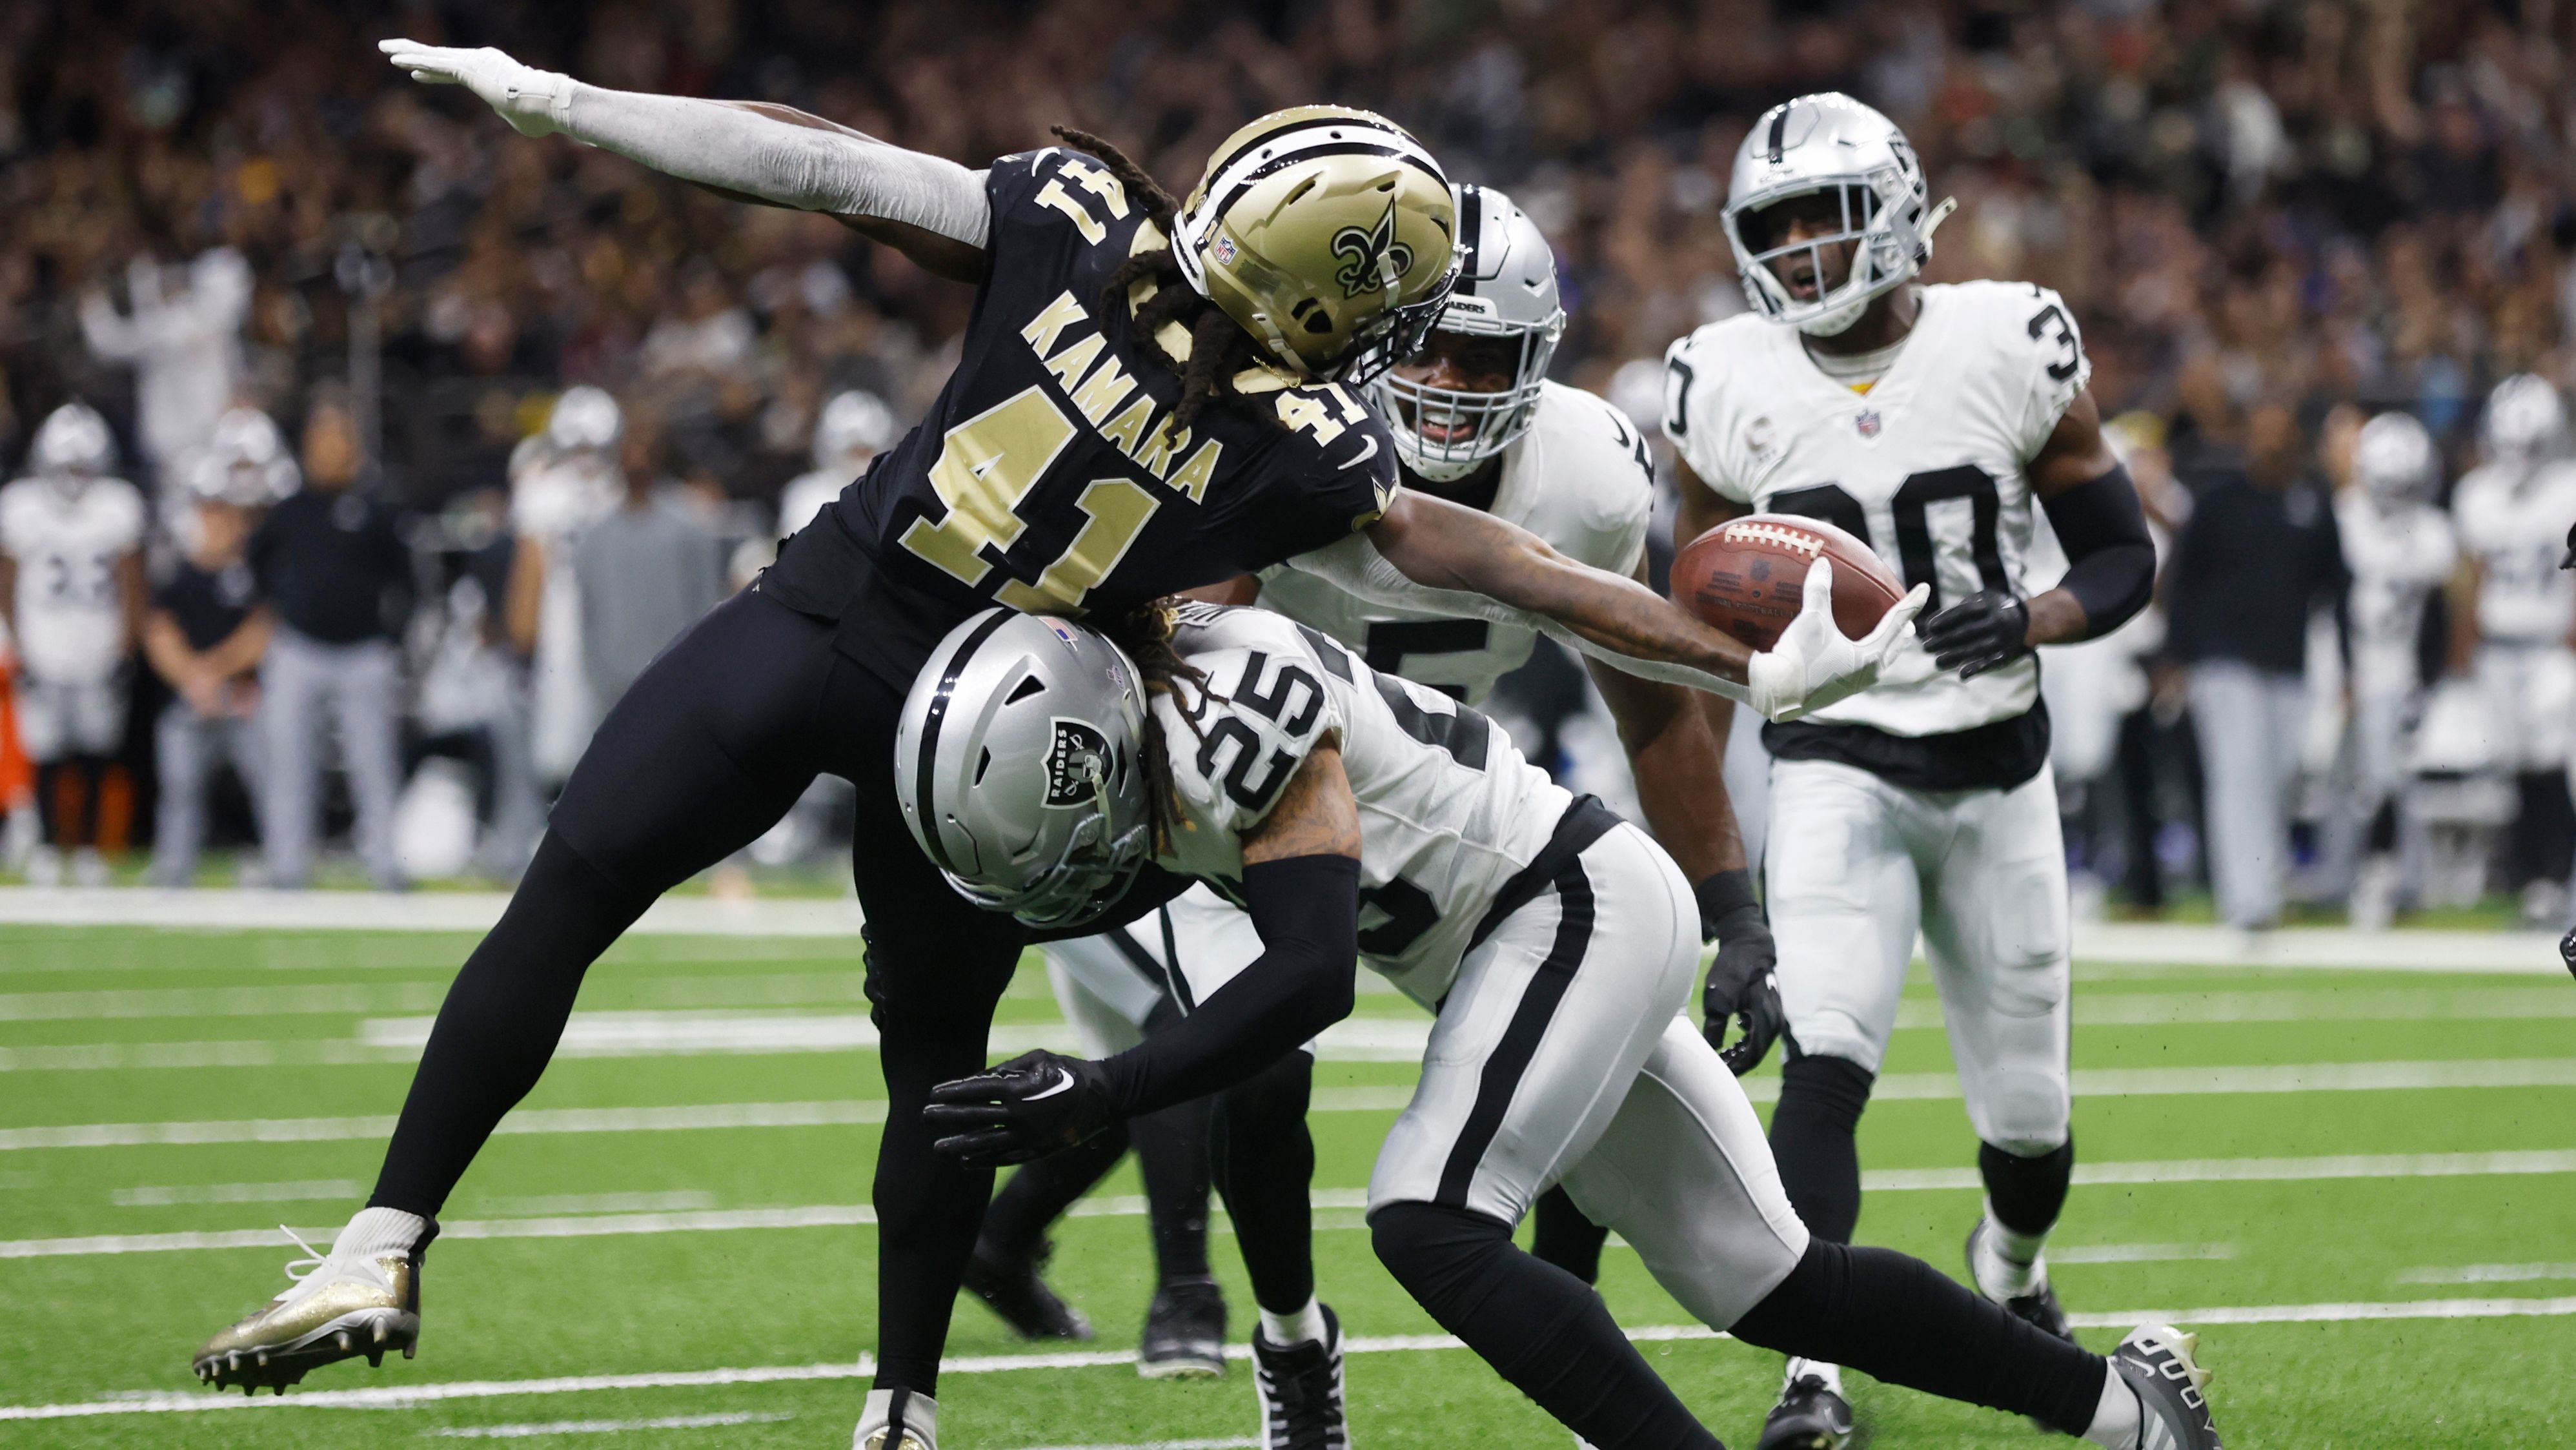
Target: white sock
381,1231
1831,1374
2009,1264
920,1419
2119,1417
1306,1326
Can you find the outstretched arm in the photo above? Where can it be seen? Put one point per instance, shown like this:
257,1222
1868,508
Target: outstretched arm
1301,881
932,210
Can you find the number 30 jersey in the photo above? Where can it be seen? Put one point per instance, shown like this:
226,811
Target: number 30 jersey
1926,465
1449,811
1047,476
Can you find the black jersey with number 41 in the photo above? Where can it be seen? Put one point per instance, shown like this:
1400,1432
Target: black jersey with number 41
1047,477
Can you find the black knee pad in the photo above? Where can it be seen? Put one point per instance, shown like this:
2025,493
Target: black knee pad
1437,1252
1821,1099
1826,1091
2027,1193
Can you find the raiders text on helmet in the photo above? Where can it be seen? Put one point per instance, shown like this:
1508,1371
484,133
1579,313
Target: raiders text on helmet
1832,145
1326,233
2395,460
1018,767
1506,288
2525,419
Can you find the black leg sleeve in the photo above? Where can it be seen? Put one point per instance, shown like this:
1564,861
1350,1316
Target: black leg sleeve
1040,1192
1812,1129
49,802
1562,1236
1541,1328
500,1022
1897,1319
1172,1153
2028,1193
1265,1168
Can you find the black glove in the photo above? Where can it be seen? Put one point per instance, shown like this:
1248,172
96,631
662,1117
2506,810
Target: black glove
1741,983
1035,1104
1981,632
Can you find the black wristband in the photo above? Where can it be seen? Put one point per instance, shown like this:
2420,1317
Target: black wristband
1723,895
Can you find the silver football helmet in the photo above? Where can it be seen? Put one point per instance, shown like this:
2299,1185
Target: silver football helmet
2526,420
73,441
585,419
1506,288
2394,459
1830,144
1018,764
245,461
855,427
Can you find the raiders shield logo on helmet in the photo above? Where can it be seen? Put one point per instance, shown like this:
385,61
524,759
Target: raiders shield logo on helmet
1077,760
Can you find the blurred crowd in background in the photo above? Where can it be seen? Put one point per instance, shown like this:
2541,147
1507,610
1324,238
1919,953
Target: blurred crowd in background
254,249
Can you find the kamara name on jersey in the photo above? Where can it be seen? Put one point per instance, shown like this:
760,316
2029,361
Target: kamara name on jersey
1070,345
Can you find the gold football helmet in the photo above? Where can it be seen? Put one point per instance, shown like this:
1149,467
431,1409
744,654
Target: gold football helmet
1325,232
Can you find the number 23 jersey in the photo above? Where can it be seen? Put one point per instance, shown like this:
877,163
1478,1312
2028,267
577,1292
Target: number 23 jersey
1448,810
1926,466
1047,476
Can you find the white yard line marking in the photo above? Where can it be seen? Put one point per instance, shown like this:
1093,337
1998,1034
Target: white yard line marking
1882,1180
159,1402
2161,1009
319,1190
2145,943
608,1427
130,1002
1235,1443
2488,1274
2138,1253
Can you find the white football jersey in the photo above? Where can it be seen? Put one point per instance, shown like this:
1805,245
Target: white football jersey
1580,478
71,614
2398,556
2514,521
1449,811
1926,466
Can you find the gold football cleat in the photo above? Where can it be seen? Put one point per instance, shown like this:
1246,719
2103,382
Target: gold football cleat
339,1308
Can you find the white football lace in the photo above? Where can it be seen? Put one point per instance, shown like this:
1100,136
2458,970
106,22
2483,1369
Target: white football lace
311,1264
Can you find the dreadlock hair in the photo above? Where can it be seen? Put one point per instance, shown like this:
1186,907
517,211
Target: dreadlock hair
1145,635
1219,349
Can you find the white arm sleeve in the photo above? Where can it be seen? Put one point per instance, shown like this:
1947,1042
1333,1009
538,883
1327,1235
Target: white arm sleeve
835,171
1356,567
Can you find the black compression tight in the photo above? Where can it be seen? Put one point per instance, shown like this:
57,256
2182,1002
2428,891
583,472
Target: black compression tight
1265,1162
1899,1320
1561,1235
1541,1328
1813,1138
500,1022
1039,1193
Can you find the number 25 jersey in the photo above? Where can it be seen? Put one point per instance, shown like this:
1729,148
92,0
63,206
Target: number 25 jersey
1926,465
1047,476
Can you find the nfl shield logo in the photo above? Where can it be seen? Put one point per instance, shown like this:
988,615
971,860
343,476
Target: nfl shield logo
1224,250
1867,423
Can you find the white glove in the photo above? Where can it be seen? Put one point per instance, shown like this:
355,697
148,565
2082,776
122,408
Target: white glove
1815,664
537,102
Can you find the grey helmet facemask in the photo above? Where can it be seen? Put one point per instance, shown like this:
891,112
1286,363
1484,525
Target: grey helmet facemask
1019,767
1829,144
2394,459
1506,288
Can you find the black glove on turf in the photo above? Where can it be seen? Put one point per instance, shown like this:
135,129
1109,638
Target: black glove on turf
1979,633
1035,1104
1742,986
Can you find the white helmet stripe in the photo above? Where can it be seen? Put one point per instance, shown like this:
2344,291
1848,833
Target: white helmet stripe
1283,147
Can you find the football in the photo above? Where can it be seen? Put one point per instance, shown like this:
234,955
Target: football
1744,576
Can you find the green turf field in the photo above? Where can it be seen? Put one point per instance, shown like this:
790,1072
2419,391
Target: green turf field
2359,1186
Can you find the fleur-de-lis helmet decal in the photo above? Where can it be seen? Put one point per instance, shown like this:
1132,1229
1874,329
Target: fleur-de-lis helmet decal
1372,260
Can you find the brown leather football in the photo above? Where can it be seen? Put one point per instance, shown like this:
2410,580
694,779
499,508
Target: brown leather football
1744,576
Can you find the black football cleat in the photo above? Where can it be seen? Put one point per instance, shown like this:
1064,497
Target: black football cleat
2157,1362
1011,1288
1301,1391
1810,1416
1184,1331
2038,1308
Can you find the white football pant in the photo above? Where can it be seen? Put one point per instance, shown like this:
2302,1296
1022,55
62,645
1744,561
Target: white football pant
1857,865
59,718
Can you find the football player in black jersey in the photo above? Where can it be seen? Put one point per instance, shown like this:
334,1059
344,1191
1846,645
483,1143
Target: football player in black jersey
1151,396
